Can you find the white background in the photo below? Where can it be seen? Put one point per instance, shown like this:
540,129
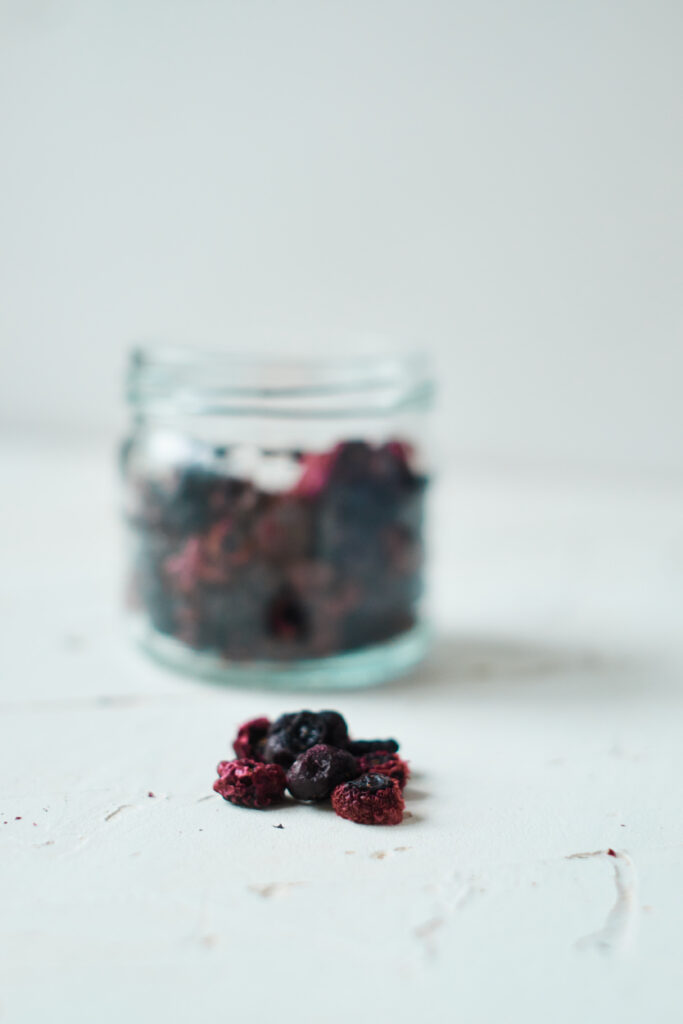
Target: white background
499,180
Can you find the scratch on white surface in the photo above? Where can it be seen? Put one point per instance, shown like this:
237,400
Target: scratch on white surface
203,798
425,934
112,814
423,931
381,854
617,750
72,703
274,890
618,930
467,894
457,895
98,702
583,856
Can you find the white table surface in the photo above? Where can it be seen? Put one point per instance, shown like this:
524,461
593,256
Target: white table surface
546,730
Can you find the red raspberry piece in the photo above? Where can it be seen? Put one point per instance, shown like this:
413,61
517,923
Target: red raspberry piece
250,783
183,569
250,739
386,763
317,469
372,799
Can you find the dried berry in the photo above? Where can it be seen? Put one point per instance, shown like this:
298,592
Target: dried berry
372,799
361,747
328,564
251,738
291,734
317,771
317,468
337,729
386,763
287,618
249,783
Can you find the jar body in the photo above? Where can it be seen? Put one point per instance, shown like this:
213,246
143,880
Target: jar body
282,551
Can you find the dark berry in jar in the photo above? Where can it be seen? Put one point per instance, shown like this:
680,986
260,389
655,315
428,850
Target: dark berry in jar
292,734
251,738
249,783
386,763
287,618
371,799
317,771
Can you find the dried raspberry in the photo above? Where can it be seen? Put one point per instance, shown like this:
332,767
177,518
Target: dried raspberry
249,783
372,799
317,771
359,748
251,738
317,468
291,734
386,763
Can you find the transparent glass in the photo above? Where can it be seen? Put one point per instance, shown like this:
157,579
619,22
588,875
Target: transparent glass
275,515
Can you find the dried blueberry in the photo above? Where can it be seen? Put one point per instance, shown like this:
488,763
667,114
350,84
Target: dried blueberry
361,747
371,782
337,733
291,734
317,771
286,617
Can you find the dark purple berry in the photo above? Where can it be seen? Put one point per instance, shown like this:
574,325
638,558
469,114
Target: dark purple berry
287,618
317,771
292,734
337,729
361,747
371,782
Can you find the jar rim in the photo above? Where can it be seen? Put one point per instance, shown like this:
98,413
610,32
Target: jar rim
177,379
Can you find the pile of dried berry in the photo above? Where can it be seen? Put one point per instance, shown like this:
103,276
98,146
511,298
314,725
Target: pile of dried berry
311,755
328,560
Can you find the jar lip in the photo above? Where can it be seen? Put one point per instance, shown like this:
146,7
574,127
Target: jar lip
173,378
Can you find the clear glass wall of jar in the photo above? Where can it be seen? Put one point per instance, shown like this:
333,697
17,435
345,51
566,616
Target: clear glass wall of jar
275,514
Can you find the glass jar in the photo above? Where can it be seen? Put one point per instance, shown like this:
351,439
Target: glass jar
275,512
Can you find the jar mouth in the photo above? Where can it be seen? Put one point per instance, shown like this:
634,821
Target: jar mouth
179,380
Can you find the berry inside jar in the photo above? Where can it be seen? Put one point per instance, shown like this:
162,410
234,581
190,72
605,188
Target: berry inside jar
258,554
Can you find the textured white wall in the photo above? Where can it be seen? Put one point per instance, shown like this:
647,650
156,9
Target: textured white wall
499,179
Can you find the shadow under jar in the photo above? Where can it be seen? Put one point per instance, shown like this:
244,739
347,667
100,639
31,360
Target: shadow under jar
275,513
